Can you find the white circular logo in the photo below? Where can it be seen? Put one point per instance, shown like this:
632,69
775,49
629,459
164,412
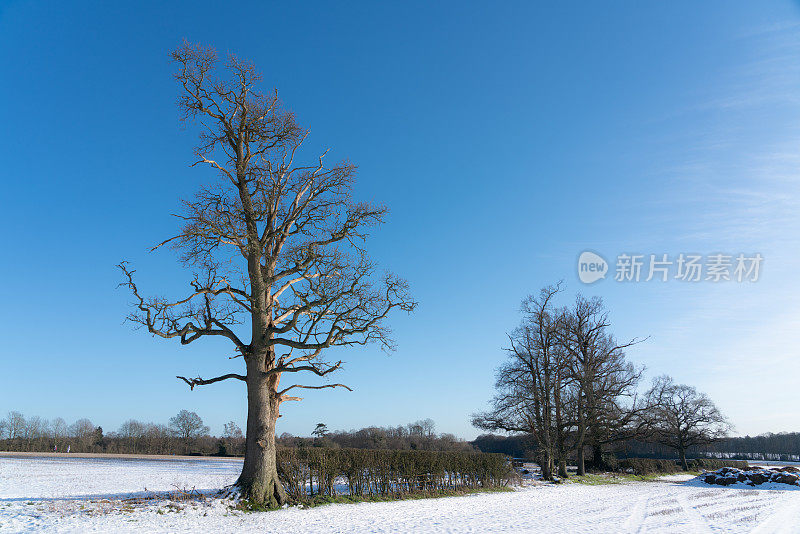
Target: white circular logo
591,267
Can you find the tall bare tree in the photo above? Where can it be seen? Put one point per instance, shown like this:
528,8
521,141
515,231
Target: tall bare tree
532,382
273,244
605,382
681,417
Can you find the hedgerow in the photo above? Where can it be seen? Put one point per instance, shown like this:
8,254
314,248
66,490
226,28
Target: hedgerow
370,472
715,463
647,466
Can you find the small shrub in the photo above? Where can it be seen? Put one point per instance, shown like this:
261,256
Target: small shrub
246,505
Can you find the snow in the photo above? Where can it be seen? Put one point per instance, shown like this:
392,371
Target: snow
85,495
43,478
678,477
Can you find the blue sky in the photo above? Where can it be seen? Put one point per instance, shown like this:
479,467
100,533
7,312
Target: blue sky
506,138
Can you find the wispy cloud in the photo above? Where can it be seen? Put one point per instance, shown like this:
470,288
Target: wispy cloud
731,182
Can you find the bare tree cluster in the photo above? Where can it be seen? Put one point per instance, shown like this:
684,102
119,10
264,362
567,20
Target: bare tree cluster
567,384
37,434
185,434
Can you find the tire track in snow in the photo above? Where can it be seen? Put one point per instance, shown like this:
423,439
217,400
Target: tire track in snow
697,522
787,518
635,522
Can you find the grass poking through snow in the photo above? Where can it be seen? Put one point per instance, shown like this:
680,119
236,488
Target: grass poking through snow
321,500
598,479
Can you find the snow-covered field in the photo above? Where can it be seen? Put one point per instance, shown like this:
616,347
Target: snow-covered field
86,495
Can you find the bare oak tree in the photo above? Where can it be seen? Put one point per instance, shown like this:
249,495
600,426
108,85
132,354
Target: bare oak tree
605,382
275,246
187,425
532,382
681,417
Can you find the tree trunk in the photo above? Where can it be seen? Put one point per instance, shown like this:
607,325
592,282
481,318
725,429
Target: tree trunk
546,464
562,466
597,458
581,438
581,461
259,481
684,465
562,453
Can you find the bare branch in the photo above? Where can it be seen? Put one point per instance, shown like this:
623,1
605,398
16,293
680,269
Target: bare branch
325,386
201,382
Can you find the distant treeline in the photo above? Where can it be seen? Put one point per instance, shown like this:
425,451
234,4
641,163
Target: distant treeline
420,435
187,434
784,446
519,446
